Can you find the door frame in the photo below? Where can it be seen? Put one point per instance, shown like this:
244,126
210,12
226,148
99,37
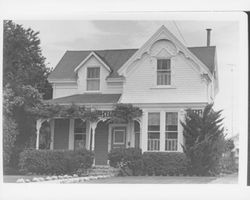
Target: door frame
111,126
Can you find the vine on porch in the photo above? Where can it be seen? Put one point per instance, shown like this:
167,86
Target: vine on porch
122,113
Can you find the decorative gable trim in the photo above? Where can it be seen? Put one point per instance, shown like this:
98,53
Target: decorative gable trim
88,57
164,34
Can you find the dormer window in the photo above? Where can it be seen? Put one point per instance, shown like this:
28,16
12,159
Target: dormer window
93,78
163,72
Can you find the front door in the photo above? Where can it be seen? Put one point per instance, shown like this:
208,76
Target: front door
118,137
101,144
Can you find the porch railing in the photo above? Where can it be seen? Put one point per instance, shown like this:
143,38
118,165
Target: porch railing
171,145
153,144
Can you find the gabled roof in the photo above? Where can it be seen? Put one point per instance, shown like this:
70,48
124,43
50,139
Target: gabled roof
71,59
88,57
206,55
116,58
87,99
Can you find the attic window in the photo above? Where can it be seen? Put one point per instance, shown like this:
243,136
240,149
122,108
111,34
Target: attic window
163,72
93,78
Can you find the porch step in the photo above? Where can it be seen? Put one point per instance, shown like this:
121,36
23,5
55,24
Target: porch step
103,170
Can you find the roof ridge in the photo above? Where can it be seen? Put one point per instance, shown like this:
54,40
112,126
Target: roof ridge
201,46
103,50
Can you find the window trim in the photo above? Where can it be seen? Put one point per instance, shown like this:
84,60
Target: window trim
124,134
166,131
91,79
159,131
78,133
170,70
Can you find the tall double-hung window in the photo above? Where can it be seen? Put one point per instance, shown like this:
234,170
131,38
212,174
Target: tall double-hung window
163,72
93,78
154,131
79,134
171,131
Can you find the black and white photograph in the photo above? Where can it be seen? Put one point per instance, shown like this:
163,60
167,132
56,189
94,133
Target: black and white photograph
122,100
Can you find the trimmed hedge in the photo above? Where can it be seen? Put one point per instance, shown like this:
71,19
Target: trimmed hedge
132,162
165,163
54,161
129,160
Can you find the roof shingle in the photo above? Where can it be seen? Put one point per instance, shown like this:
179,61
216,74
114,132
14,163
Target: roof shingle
116,58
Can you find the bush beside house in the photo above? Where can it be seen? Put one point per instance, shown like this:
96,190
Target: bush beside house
131,161
164,163
128,159
54,161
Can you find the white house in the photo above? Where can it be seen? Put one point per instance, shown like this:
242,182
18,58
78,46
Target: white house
163,78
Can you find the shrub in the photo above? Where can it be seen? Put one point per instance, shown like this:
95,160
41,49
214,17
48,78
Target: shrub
228,164
54,161
164,163
204,141
129,160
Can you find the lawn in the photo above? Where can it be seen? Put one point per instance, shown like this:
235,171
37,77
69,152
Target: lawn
153,180
14,178
228,179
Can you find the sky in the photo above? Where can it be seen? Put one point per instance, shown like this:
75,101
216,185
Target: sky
59,36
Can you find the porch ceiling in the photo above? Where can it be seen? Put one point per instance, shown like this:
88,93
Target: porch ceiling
87,99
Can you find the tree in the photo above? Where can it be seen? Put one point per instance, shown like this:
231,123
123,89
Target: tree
23,63
204,141
9,125
24,84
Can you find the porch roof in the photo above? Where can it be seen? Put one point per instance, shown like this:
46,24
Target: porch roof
87,99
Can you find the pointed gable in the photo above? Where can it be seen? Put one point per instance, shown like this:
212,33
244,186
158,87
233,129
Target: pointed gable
164,36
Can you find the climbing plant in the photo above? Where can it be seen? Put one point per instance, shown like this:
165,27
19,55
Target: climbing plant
122,113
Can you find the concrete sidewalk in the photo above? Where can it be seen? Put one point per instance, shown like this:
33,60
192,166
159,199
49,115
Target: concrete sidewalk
227,179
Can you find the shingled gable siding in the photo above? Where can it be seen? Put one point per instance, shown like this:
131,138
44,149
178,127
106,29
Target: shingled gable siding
104,86
61,134
140,86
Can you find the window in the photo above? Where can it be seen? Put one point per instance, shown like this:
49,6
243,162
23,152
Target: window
80,134
163,72
93,78
153,131
171,131
119,136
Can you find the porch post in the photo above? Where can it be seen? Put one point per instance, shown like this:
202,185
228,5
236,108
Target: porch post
93,127
181,116
88,136
52,130
144,134
38,126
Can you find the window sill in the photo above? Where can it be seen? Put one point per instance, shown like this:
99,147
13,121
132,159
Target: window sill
164,87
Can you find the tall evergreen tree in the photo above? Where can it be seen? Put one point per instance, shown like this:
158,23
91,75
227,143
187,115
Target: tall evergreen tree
204,140
24,83
23,63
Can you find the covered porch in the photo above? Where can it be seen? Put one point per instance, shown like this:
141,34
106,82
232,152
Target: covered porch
100,136
98,133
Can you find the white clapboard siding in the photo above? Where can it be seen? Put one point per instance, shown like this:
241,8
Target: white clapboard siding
140,85
64,89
